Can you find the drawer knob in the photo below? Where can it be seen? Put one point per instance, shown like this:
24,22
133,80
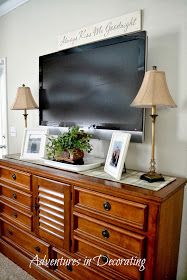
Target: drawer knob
69,267
35,206
1,207
10,232
105,259
105,233
37,248
14,195
15,215
14,176
107,206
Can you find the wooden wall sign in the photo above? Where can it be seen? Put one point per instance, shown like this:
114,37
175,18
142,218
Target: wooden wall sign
107,29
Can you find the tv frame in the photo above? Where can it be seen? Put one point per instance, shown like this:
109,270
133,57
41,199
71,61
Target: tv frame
100,132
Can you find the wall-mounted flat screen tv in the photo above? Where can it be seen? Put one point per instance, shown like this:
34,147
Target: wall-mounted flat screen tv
93,86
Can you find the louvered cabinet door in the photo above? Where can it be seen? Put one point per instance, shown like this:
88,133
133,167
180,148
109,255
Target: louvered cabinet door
52,211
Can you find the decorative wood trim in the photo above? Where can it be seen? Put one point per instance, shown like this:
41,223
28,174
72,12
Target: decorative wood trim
10,5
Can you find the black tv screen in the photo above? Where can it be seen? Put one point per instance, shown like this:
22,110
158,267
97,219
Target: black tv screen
93,85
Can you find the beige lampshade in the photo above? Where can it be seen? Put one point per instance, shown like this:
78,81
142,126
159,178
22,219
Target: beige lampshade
24,99
153,91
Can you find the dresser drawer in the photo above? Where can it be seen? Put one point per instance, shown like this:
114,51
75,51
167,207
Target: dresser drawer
105,260
16,196
74,269
21,179
110,236
24,240
19,217
112,209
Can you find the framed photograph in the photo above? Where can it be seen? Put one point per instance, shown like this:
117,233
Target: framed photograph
116,154
34,142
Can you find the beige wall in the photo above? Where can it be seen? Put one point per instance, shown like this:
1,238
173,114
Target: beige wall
32,29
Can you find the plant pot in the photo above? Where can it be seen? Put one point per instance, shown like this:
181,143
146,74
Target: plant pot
74,156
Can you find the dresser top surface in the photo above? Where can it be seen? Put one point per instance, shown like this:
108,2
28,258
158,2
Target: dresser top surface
92,183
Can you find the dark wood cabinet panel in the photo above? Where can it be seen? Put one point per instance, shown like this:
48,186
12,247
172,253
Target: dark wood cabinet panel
60,215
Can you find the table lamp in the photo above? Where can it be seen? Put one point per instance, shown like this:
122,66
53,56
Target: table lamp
153,93
24,101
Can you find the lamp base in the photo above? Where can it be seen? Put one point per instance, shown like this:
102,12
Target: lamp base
152,177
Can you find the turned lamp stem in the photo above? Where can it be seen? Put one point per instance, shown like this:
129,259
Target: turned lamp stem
25,113
152,162
152,168
25,117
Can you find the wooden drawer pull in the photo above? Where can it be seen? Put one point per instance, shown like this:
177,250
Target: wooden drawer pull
14,176
105,233
37,248
105,259
10,232
14,195
107,206
14,214
69,267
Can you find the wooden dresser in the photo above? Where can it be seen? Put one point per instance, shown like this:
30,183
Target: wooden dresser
88,228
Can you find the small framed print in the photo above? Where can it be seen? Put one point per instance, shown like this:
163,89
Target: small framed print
116,154
34,142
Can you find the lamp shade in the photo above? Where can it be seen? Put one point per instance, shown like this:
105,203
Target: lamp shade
153,91
24,99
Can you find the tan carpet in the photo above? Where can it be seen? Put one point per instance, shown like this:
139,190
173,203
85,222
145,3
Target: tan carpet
10,271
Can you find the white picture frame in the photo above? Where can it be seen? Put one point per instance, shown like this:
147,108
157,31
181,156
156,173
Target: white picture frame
117,154
34,143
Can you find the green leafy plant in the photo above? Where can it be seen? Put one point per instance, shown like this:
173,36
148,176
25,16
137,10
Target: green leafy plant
74,139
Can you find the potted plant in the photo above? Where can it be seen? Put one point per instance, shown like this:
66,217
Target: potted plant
69,146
